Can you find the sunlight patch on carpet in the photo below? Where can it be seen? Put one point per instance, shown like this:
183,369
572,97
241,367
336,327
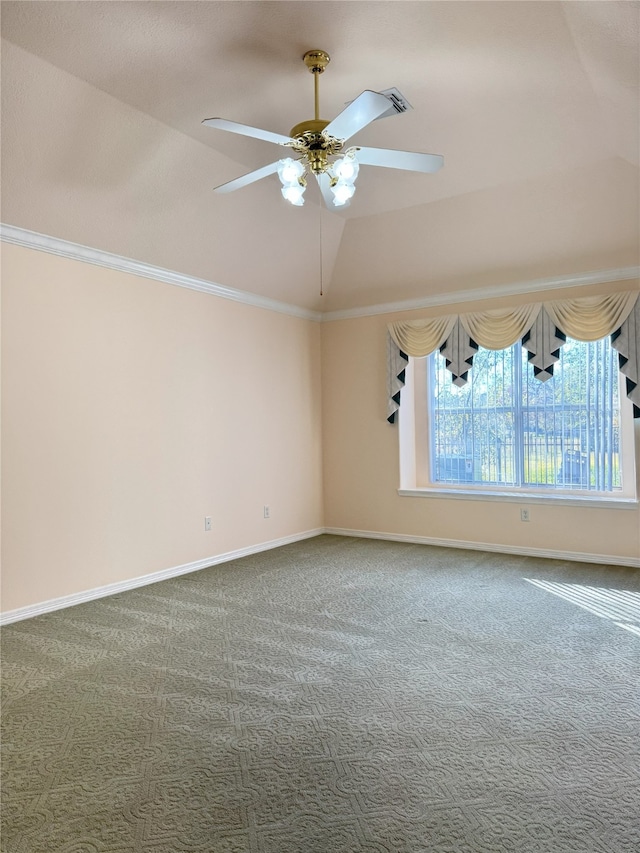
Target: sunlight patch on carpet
619,605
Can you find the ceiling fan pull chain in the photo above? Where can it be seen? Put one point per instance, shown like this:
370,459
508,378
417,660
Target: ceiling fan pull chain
321,271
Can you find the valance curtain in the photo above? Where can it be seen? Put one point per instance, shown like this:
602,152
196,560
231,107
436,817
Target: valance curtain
542,327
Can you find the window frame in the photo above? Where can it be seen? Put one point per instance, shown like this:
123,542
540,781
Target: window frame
415,475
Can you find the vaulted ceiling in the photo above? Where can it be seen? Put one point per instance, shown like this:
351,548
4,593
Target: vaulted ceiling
534,105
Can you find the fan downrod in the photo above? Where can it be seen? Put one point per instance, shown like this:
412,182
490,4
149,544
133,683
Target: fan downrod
308,134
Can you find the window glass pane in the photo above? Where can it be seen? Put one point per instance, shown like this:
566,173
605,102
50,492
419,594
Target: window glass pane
506,428
473,434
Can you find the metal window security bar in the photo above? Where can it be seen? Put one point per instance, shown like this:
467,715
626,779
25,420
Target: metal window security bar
506,428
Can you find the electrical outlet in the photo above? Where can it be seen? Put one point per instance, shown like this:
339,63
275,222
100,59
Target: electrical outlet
266,512
524,515
207,522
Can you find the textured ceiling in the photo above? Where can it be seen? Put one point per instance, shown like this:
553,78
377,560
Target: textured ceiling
534,106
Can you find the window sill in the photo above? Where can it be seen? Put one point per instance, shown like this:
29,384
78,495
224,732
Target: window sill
567,499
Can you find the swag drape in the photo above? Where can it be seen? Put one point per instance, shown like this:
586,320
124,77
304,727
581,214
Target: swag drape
543,328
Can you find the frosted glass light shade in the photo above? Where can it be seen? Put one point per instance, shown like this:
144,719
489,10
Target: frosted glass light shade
290,171
346,168
342,192
294,193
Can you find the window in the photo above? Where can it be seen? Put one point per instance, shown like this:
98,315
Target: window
506,431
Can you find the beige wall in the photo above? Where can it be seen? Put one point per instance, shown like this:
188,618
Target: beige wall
131,410
361,461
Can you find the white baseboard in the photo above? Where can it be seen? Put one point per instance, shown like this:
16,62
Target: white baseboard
573,556
122,586
174,572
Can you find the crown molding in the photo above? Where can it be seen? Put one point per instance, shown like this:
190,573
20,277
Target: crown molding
514,289
75,251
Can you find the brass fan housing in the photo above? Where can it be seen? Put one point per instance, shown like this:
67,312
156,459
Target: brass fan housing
311,126
316,146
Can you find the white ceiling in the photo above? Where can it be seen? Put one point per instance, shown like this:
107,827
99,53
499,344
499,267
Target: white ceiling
534,106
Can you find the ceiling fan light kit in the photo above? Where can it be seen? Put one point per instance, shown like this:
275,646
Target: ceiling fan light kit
320,146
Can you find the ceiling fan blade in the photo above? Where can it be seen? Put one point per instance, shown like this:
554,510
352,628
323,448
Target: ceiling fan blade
245,130
249,178
324,182
410,160
361,112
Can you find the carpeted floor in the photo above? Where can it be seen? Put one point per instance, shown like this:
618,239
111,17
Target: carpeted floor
332,696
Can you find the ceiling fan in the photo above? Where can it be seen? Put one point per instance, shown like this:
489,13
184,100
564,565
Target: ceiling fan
320,146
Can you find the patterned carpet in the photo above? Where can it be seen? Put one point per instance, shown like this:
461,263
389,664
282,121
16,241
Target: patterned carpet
333,696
